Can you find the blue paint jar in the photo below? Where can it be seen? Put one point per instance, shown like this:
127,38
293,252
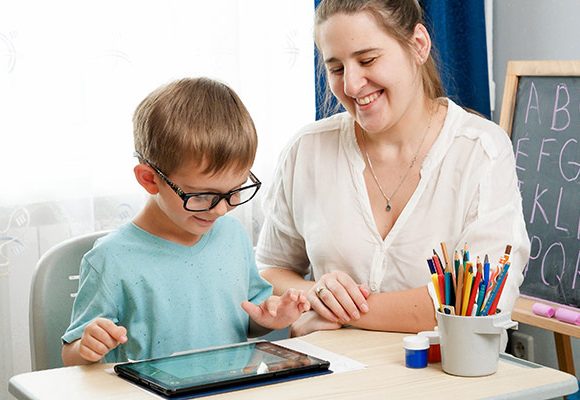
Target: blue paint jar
416,350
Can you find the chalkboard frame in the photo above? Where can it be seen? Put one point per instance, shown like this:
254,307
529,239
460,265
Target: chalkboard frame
516,69
522,311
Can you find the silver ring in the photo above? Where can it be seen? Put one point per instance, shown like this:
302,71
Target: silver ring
319,290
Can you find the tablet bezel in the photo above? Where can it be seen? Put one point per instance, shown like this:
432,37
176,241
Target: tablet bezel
126,371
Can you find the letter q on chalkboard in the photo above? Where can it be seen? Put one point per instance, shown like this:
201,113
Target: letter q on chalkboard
541,111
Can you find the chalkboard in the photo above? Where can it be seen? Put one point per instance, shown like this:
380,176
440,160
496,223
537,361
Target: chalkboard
542,114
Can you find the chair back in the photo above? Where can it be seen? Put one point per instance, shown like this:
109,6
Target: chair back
54,287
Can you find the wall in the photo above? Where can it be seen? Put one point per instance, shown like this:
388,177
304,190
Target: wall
535,30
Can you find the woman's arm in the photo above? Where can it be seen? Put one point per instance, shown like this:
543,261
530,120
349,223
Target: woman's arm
283,279
405,311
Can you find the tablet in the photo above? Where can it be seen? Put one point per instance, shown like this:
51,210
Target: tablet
221,367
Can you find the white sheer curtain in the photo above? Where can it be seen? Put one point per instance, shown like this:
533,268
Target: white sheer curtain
71,74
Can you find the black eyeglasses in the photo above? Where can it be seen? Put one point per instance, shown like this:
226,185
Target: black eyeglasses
204,201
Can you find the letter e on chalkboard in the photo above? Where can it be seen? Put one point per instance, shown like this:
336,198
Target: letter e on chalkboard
541,112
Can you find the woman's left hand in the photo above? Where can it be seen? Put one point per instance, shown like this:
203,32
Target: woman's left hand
338,298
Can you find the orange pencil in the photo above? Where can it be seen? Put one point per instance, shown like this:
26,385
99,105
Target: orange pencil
506,257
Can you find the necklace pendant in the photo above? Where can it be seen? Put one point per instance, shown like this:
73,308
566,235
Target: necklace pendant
388,207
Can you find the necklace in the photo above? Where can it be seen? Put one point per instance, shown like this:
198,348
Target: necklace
389,199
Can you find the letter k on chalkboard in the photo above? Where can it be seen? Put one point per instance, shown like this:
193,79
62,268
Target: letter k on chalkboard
541,112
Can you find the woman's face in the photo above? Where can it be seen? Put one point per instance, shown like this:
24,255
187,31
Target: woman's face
370,73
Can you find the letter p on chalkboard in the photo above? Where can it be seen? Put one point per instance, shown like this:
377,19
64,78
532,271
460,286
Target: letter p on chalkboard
541,112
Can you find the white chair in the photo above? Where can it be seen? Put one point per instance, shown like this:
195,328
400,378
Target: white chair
54,286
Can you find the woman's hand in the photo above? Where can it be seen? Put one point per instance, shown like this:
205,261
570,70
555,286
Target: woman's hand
337,298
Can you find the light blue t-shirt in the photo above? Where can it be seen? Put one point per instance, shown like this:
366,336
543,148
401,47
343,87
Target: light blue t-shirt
170,297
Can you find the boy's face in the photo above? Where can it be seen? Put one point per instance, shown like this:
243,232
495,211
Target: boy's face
187,225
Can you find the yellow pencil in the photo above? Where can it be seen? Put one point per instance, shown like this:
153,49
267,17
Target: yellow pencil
467,282
436,285
458,294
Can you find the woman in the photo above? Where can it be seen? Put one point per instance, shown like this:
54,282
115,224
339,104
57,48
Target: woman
362,198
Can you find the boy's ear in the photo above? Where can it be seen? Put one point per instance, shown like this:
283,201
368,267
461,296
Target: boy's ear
146,178
421,43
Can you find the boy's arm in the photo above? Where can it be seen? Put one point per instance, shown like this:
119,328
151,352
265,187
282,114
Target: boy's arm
71,354
256,330
99,337
276,312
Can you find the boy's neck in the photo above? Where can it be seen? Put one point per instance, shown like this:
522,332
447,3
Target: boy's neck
154,221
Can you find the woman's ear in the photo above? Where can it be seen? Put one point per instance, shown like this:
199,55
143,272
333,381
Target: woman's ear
146,178
422,43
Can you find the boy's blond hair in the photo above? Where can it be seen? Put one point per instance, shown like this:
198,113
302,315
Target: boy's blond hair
195,120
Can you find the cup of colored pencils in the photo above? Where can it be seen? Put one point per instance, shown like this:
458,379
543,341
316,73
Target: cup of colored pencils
466,287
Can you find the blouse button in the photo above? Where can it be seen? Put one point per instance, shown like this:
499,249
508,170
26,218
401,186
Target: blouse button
373,287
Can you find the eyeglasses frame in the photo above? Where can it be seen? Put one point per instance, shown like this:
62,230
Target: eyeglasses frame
186,196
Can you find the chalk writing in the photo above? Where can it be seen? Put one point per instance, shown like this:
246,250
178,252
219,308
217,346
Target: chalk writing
545,136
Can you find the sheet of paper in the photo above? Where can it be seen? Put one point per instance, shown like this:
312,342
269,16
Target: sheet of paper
338,363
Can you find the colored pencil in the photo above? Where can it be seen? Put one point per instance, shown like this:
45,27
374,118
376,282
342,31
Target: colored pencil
436,287
459,292
495,290
474,290
441,280
467,282
486,272
445,257
493,307
480,297
432,269
448,288
435,259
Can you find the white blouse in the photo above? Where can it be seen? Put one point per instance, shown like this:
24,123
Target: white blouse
318,216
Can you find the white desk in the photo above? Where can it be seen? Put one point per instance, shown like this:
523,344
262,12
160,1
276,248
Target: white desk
385,377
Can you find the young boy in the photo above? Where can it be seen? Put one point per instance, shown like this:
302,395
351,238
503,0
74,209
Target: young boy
174,278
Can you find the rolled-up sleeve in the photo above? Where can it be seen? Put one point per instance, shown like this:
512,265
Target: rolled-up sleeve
280,244
496,220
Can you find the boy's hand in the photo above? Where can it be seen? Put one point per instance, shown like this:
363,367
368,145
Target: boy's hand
311,322
278,312
100,336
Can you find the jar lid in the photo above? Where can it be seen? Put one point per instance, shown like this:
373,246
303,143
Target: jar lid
432,335
416,342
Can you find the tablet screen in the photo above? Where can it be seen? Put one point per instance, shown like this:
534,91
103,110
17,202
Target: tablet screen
218,367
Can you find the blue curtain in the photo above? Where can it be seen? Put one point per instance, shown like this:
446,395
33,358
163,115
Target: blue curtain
458,33
322,110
